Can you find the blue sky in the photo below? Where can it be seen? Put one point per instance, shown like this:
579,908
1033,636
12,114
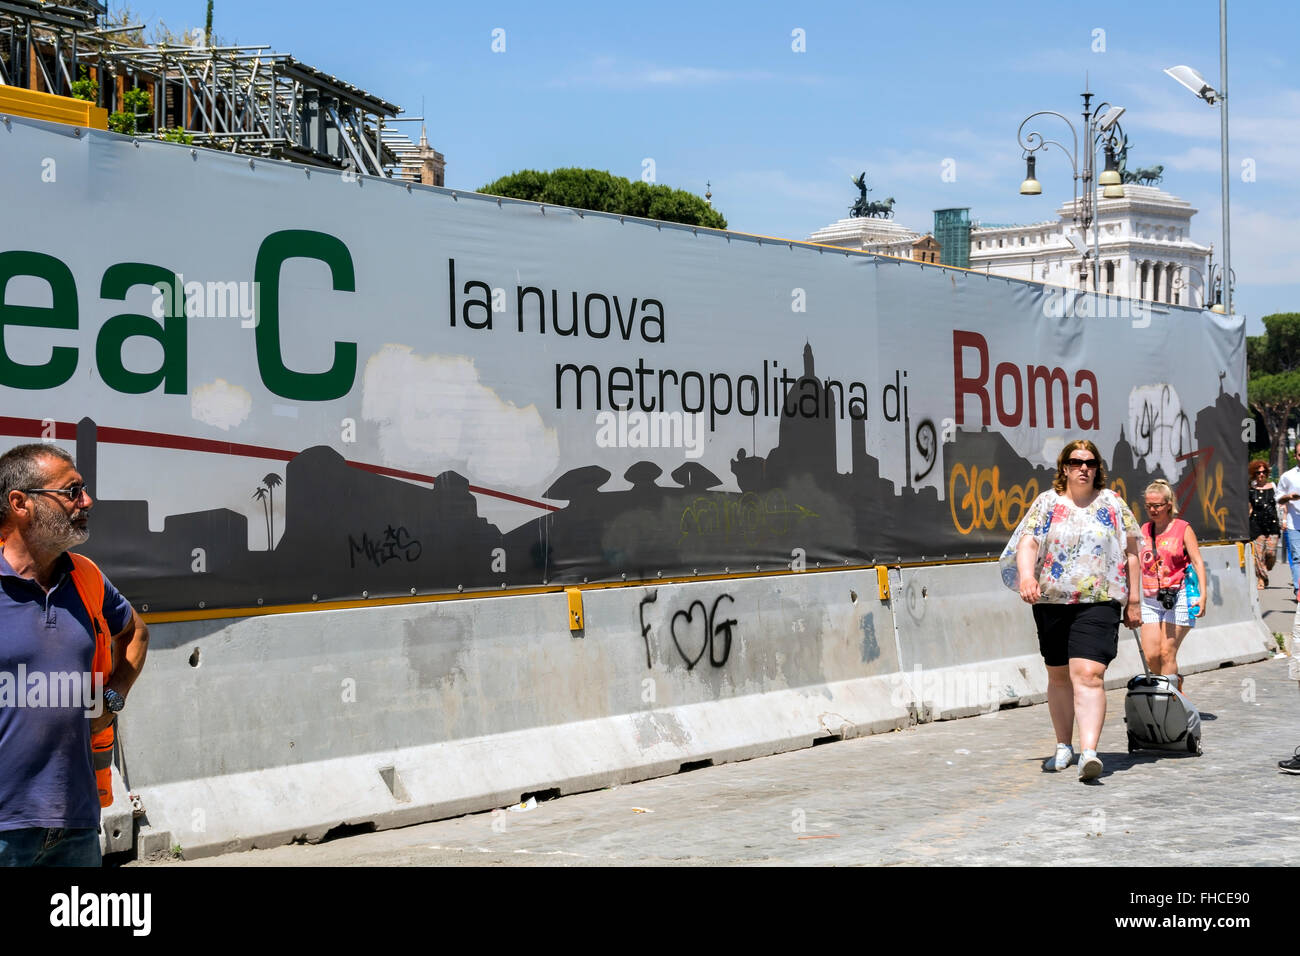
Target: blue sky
716,93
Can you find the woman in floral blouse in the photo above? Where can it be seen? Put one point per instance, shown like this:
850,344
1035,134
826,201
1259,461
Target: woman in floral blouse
1072,557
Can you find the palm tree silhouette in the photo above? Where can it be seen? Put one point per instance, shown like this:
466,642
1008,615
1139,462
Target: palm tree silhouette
260,495
271,481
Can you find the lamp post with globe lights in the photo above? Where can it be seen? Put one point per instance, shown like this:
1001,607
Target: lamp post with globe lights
1100,129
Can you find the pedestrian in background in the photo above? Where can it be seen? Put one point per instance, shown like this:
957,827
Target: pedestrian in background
1288,494
1292,764
1264,529
1074,557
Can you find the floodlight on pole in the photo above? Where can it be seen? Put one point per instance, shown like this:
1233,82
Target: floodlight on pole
1193,80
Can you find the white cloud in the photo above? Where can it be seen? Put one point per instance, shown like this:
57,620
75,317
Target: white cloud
435,415
220,404
612,73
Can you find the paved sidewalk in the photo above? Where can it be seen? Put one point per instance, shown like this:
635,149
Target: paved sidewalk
1277,606
967,792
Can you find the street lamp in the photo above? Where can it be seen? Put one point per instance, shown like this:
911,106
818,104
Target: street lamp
1222,291
1206,287
1100,128
1196,83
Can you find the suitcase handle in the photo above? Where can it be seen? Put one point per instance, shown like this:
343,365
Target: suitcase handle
1146,669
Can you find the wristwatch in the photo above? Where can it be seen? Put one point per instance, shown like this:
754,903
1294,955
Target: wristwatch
113,701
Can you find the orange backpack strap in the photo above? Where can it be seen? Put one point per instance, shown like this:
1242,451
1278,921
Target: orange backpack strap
90,586
89,582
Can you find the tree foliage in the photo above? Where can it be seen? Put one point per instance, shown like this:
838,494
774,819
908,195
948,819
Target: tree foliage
1273,384
121,15
604,192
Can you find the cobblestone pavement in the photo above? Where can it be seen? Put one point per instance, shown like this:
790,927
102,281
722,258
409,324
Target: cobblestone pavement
965,792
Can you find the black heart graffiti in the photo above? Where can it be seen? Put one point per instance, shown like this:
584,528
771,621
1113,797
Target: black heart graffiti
715,638
688,615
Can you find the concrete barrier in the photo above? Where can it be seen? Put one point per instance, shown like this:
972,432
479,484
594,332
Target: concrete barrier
967,643
263,730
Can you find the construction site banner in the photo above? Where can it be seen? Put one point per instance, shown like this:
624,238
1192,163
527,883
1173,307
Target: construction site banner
288,385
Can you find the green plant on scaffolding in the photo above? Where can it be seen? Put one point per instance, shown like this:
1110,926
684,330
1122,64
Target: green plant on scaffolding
138,104
85,88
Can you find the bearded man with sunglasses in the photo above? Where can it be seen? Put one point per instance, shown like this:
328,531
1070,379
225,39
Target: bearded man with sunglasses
49,797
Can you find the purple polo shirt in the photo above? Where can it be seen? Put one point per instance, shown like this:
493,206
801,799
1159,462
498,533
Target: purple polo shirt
47,649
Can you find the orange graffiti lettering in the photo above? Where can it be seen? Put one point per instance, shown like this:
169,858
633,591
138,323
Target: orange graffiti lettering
977,499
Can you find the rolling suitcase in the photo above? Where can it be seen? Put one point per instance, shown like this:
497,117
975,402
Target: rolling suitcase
1158,716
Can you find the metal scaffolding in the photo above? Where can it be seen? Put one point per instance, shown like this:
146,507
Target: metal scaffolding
244,99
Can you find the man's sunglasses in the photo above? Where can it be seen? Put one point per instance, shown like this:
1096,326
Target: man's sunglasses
72,492
1081,462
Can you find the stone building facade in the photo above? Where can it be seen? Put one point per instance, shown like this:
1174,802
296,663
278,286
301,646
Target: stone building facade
1145,243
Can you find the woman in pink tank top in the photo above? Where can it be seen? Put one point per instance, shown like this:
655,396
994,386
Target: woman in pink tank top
1167,554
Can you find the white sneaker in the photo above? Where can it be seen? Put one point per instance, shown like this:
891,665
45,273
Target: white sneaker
1060,760
1089,765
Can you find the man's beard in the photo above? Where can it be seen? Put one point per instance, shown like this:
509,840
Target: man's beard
54,530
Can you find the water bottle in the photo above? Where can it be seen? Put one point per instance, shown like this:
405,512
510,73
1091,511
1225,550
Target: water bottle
1193,588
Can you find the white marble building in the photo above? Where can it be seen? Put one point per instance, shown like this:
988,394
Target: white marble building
1146,248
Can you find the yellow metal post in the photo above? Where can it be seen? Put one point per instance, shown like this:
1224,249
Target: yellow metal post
575,608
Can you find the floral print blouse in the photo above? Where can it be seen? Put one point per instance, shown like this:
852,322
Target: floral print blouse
1081,551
